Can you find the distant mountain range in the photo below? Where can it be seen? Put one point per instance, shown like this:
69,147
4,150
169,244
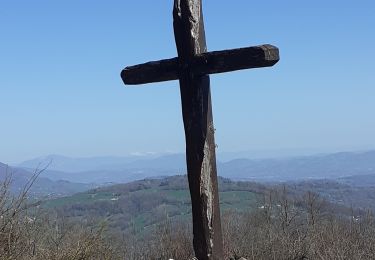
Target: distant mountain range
83,164
43,187
337,165
108,169
125,169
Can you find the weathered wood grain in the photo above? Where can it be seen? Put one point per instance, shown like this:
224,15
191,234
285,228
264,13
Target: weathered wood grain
150,72
236,59
202,64
199,132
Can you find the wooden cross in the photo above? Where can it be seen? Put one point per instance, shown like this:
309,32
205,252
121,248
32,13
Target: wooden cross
192,68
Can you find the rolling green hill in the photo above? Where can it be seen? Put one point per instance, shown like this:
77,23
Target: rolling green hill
139,205
144,203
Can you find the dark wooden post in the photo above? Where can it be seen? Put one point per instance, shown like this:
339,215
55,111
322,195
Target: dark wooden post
192,67
199,131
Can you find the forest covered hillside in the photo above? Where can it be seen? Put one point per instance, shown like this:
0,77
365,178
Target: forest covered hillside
142,204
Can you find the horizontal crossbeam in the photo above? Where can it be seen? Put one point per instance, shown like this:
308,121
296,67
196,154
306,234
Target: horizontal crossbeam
202,64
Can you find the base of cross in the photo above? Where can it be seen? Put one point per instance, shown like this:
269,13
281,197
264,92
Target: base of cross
242,258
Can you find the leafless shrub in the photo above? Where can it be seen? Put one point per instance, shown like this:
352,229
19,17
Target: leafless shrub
279,229
26,233
168,240
15,223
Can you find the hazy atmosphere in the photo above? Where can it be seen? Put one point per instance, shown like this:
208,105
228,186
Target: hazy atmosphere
61,91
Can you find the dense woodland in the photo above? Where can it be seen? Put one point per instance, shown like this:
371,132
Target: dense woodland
150,219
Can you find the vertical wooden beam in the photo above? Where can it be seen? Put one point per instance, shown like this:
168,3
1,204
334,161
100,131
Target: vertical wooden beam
199,131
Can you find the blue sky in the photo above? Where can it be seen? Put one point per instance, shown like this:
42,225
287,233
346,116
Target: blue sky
61,92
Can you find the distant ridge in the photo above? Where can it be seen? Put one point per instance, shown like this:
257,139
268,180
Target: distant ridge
42,187
70,164
336,165
125,169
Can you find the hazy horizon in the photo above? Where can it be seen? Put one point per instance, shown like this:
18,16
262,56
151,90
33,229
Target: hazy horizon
221,155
